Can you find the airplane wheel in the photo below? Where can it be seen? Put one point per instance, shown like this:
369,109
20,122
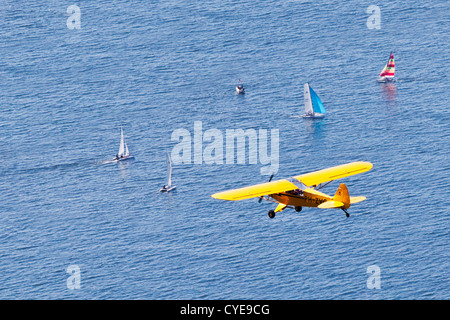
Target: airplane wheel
298,209
271,214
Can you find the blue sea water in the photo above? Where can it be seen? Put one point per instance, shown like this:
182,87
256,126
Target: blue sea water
153,67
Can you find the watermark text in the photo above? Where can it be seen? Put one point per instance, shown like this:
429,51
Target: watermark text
235,146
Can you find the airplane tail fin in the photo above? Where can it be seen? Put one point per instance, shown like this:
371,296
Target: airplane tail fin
342,195
341,199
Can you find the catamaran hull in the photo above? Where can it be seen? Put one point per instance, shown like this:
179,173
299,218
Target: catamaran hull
385,80
167,189
314,116
122,159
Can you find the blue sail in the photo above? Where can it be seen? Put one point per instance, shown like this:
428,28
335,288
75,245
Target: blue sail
317,104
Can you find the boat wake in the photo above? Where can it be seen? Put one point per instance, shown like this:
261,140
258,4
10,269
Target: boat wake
59,167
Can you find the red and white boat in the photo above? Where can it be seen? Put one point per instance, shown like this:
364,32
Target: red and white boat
388,72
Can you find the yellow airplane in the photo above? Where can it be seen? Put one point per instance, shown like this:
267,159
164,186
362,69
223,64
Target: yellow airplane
302,191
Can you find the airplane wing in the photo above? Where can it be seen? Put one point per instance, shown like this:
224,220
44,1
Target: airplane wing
317,177
309,179
254,191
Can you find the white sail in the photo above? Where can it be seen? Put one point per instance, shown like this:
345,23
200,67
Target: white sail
122,144
127,153
169,187
308,103
169,170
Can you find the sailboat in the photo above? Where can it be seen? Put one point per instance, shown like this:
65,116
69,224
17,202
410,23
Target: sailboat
123,153
240,88
313,105
388,72
169,187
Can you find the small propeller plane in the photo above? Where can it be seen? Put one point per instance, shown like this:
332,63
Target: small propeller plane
303,190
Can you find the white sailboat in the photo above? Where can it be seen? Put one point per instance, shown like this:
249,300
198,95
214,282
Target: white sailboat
169,187
313,105
123,153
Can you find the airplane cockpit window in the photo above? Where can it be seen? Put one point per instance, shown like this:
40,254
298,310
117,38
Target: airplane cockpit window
296,192
298,183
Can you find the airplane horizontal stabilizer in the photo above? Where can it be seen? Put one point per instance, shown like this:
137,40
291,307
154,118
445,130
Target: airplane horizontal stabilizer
357,199
330,204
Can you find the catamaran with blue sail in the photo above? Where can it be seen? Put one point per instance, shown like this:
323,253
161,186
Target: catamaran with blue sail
313,105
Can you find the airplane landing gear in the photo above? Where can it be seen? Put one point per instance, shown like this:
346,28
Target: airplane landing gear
346,213
271,214
298,209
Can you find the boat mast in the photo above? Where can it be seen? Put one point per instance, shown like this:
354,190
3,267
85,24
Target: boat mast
169,170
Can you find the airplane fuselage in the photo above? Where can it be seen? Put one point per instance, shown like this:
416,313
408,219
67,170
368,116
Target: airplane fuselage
299,198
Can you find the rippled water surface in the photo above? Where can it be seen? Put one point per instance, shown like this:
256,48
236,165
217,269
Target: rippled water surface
158,66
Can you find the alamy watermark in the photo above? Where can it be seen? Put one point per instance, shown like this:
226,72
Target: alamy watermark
74,20
374,20
214,147
374,280
74,280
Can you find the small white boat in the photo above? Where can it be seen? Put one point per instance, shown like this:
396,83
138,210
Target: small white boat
388,72
313,105
123,153
240,89
169,187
